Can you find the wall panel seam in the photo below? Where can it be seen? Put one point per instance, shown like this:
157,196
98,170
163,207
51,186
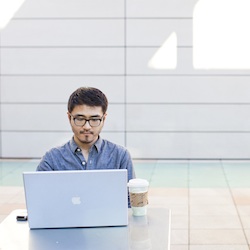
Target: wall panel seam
101,18
134,75
136,131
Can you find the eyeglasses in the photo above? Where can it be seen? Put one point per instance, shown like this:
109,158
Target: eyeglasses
80,121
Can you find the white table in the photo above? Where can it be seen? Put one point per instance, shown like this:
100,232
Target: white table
146,232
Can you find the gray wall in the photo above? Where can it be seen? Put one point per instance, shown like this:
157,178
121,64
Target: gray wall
51,48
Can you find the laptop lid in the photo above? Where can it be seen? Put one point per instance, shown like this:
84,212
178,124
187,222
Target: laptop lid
81,198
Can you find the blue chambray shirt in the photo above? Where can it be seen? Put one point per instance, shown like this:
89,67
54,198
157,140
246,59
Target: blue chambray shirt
102,155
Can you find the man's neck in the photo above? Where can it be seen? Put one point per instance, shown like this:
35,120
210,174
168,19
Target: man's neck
85,147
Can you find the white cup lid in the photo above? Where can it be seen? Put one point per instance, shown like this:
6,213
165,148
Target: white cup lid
138,183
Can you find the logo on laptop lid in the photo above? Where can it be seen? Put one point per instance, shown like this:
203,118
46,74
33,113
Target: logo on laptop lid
76,200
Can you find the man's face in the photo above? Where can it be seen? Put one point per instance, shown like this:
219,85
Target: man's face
86,135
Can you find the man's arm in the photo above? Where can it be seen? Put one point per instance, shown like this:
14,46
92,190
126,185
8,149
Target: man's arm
128,164
45,164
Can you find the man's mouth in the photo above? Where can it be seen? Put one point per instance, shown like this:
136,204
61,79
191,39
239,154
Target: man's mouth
86,132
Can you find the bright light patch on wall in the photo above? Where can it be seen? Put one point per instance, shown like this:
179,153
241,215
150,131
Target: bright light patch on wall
8,8
221,34
166,56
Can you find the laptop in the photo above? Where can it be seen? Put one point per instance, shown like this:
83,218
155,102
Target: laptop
80,198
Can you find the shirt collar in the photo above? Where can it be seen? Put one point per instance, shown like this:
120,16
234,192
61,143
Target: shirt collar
98,144
74,147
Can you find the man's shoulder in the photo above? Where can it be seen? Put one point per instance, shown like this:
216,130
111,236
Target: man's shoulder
61,148
112,145
112,148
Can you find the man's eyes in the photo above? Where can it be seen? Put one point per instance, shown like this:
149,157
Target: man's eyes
78,118
83,119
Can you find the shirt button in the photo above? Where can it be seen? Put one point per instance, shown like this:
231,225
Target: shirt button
83,163
78,150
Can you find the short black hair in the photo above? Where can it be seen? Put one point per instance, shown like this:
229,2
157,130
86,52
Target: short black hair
88,96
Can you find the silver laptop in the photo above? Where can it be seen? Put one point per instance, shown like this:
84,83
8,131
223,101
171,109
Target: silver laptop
66,199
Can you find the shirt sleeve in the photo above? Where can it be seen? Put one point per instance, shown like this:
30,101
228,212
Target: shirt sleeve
128,164
45,164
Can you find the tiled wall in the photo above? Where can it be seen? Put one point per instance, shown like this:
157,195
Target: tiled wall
51,48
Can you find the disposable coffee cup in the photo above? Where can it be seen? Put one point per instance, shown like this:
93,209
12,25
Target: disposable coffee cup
138,193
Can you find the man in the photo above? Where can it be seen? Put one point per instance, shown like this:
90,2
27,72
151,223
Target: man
87,150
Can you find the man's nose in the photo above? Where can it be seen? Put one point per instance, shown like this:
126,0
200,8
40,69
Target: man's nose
87,125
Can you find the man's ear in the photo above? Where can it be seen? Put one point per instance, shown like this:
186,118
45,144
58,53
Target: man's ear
104,116
69,116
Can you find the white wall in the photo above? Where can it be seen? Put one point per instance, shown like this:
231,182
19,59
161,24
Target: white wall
53,47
